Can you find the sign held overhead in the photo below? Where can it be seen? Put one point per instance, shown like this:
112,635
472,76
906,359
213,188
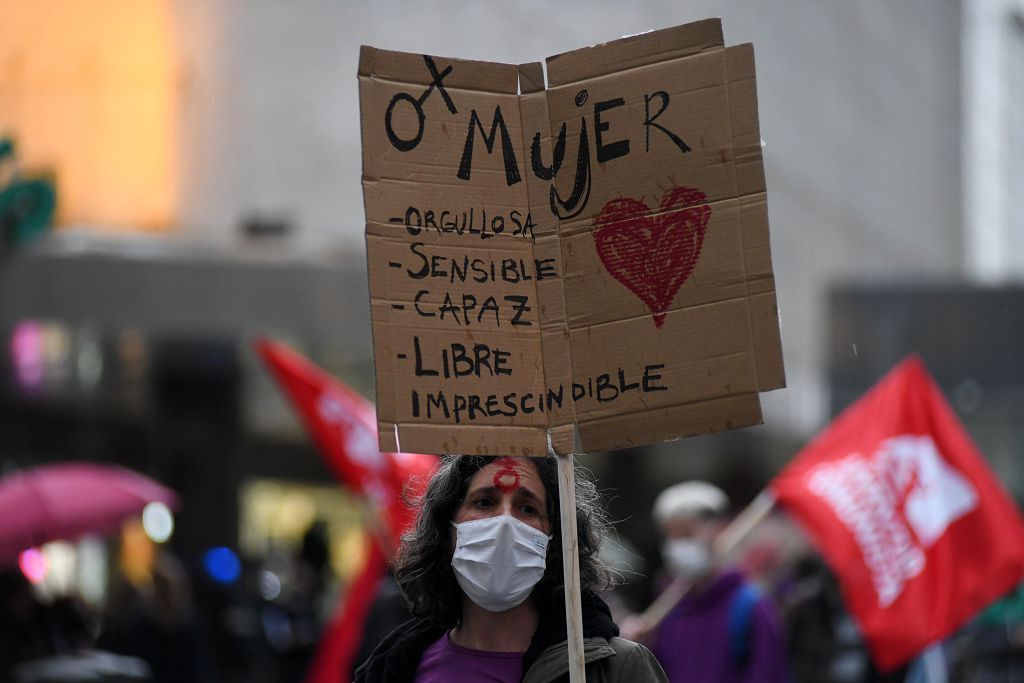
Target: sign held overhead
592,254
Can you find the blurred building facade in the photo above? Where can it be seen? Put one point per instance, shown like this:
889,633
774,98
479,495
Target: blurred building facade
876,119
860,111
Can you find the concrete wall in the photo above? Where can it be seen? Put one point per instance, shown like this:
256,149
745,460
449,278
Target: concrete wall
993,139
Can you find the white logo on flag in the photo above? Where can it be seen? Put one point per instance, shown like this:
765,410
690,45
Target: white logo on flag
897,504
360,442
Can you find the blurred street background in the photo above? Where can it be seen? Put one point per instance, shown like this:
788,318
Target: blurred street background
205,163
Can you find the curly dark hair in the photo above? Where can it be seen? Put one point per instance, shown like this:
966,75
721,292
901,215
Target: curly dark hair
424,565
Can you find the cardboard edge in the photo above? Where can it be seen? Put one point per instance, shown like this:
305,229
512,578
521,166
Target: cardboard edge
411,67
748,160
764,318
386,440
380,338
633,51
367,54
531,78
563,439
748,164
445,439
666,424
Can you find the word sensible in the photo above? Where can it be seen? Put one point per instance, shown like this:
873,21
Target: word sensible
479,270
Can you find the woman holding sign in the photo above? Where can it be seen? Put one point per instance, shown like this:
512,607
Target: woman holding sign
482,573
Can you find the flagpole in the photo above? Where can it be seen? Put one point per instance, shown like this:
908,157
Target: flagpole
744,523
571,566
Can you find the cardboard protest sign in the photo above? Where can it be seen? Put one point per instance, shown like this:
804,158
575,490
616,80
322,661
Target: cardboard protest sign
591,253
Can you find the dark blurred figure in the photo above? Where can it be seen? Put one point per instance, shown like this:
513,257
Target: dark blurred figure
22,623
991,648
150,613
825,645
388,612
71,627
53,643
315,555
293,590
296,616
314,576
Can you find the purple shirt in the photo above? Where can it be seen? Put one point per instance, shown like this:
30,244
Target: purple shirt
692,643
445,661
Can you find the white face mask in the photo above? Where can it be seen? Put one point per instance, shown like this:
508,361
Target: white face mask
498,560
687,557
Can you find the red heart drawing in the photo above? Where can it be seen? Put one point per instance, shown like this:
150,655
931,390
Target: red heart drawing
653,255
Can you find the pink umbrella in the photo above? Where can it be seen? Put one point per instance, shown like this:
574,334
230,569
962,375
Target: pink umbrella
66,500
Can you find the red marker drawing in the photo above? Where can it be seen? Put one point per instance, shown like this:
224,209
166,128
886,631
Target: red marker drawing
653,252
506,479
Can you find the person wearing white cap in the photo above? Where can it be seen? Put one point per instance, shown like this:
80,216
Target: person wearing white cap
723,629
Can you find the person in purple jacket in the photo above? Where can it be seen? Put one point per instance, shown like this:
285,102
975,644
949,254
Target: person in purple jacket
723,630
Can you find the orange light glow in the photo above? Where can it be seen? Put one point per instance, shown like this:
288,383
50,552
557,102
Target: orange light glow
87,91
138,553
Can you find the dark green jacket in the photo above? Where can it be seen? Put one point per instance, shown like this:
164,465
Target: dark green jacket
609,659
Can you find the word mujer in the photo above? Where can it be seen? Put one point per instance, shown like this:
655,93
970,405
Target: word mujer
606,148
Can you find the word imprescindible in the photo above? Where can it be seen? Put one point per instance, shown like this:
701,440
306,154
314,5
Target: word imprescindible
468,407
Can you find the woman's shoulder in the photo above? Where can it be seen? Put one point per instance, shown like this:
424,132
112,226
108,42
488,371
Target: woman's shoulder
398,655
634,662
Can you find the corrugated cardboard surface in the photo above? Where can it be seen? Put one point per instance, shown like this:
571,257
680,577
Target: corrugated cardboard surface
647,310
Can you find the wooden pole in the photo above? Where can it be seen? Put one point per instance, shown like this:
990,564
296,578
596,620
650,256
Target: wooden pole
743,524
571,565
662,605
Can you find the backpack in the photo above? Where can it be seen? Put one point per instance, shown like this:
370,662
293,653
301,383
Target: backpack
741,612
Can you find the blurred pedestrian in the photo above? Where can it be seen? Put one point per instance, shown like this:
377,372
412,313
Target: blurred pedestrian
388,611
723,629
991,647
825,644
23,632
53,642
150,613
482,572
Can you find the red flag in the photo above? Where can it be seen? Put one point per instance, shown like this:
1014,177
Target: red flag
343,425
907,514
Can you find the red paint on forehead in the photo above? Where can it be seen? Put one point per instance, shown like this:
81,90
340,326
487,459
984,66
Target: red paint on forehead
506,479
